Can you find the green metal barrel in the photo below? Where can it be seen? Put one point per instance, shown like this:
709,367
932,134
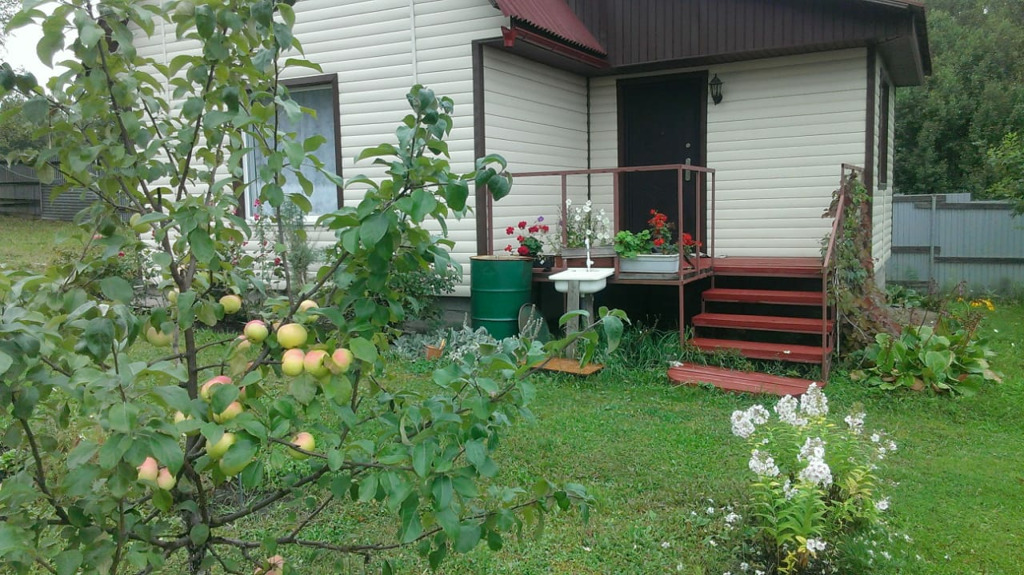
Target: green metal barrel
499,286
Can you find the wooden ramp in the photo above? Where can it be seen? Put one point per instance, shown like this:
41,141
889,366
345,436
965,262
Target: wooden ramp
738,381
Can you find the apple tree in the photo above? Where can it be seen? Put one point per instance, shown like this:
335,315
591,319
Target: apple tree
119,463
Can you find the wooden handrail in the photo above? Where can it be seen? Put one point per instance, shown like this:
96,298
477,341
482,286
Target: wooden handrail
826,263
840,212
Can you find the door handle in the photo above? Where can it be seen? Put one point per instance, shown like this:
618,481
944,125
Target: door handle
686,176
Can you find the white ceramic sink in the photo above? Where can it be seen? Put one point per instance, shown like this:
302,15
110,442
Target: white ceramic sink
592,280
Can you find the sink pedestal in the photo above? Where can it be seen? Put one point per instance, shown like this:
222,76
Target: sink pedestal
579,286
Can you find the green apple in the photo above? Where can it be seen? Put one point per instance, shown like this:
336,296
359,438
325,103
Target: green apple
157,337
217,450
307,304
255,331
340,361
232,470
172,296
148,470
292,362
136,226
314,363
232,303
242,343
206,391
292,335
165,480
303,440
230,412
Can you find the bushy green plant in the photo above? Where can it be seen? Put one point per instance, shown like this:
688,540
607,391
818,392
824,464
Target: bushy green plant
920,358
815,482
629,244
901,296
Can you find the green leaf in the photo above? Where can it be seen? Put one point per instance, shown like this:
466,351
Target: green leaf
499,185
199,534
457,192
612,331
202,245
411,526
5,362
469,536
117,289
476,452
422,454
373,229
303,389
363,349
68,562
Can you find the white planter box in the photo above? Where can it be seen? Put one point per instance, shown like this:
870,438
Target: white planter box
650,264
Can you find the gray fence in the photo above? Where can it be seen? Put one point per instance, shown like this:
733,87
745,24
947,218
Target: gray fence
22,194
947,238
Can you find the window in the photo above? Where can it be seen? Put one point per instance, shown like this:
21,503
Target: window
320,94
883,134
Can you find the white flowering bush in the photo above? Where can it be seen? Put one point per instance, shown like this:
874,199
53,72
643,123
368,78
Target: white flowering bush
814,481
583,221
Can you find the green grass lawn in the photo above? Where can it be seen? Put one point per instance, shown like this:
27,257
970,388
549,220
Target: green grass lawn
27,243
651,454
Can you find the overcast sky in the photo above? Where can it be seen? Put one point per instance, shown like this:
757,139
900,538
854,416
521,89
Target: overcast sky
20,51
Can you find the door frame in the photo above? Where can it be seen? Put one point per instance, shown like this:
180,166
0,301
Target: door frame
702,129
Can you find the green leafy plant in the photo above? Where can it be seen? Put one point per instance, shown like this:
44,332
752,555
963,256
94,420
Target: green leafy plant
815,482
921,358
629,244
123,464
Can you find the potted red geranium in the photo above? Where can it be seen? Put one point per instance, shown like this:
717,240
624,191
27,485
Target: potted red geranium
533,240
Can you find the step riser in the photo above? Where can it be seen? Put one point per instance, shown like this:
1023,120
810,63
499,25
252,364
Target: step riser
763,297
760,323
754,350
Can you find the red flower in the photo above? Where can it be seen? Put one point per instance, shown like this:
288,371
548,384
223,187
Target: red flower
544,229
523,251
520,239
277,261
533,229
687,239
510,230
522,225
256,203
654,212
658,242
120,254
508,248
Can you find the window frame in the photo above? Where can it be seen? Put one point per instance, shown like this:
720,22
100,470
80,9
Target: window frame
884,103
329,81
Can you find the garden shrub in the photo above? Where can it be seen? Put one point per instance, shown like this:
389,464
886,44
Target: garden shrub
815,483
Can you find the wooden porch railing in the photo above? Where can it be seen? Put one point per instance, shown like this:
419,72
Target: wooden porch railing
704,176
830,338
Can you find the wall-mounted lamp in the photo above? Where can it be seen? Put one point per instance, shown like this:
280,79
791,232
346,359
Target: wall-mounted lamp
715,85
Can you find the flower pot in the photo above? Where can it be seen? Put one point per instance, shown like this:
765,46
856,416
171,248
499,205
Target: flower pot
543,262
650,264
603,256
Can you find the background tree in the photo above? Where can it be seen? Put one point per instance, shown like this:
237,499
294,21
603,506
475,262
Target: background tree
975,96
120,464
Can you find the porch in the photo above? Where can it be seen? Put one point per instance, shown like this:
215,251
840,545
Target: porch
766,308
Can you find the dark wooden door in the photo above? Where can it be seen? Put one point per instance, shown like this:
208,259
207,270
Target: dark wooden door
661,121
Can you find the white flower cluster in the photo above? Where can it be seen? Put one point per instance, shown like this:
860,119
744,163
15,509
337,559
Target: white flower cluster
583,221
856,422
815,545
882,448
882,504
788,489
813,448
788,410
744,422
817,472
814,403
763,464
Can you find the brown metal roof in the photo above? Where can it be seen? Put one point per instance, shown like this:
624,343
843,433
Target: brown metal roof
554,17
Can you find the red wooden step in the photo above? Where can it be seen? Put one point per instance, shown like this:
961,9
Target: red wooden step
768,267
763,296
759,322
741,381
762,350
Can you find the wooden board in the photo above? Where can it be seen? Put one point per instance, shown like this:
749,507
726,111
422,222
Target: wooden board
567,365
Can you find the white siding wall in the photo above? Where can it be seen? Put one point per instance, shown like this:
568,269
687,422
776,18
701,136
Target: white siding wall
776,141
881,209
536,117
379,49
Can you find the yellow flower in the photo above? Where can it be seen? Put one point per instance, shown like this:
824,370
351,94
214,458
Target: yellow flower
986,303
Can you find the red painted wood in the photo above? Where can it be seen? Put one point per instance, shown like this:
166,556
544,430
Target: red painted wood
760,322
762,350
763,296
732,380
768,267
